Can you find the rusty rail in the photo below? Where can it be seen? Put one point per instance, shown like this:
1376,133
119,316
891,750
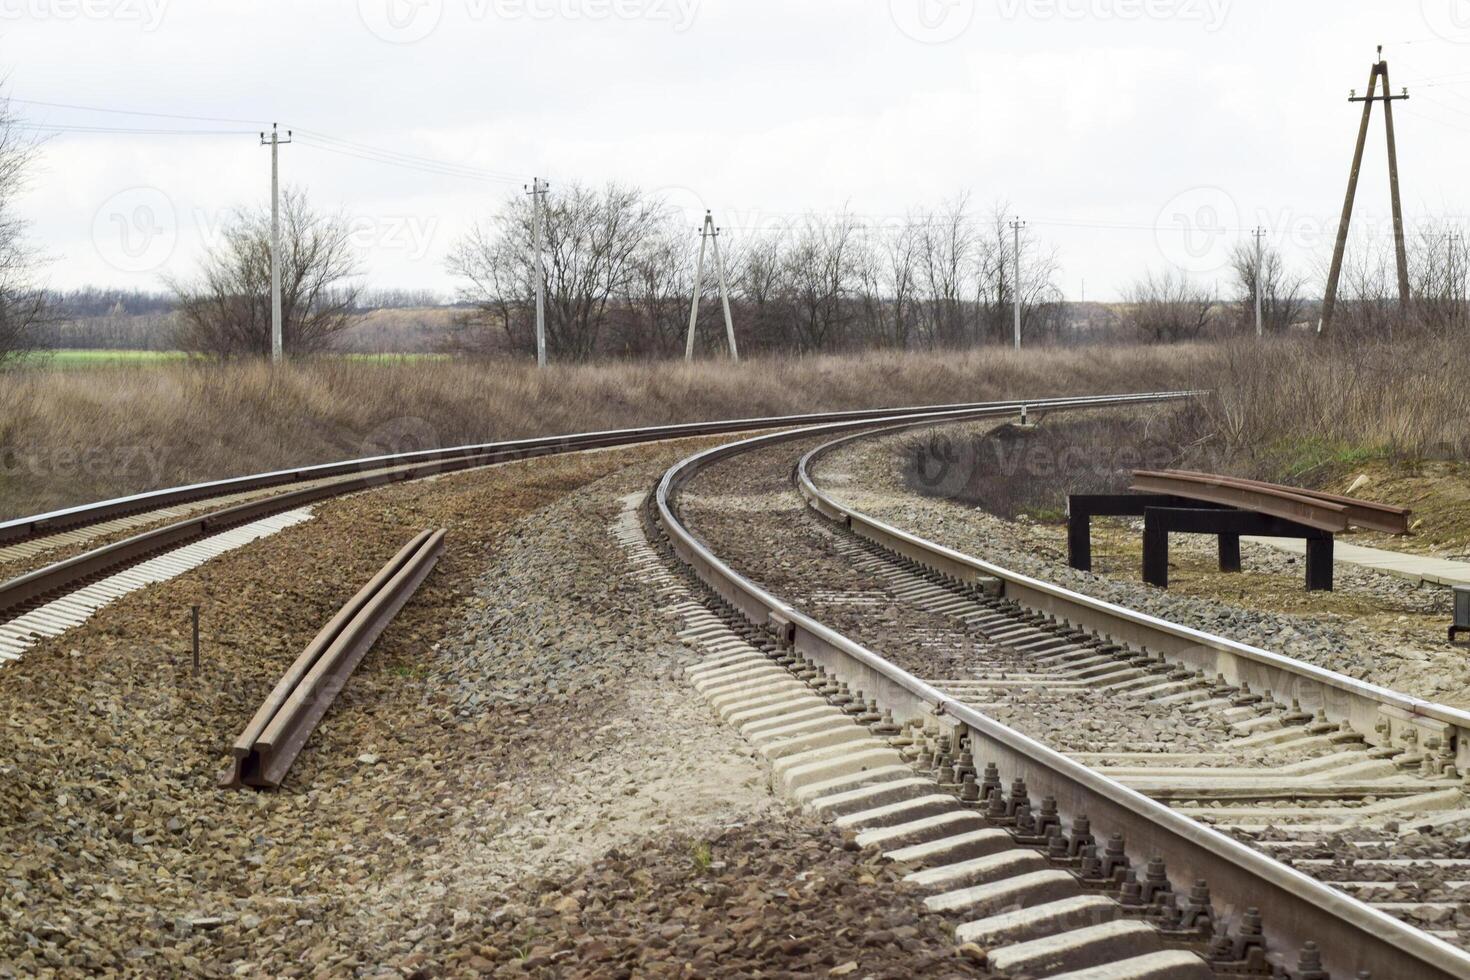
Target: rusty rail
1283,502
271,742
1361,513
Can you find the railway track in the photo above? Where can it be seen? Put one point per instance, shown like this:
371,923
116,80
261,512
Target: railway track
51,599
919,697
1212,803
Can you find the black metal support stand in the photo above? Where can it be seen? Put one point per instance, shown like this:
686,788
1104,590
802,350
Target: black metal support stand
1164,514
1229,525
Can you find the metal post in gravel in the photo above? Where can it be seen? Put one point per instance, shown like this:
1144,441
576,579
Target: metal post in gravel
194,615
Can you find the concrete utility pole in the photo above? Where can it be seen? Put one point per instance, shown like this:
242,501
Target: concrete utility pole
1259,234
724,288
1329,299
709,234
538,190
1016,225
277,338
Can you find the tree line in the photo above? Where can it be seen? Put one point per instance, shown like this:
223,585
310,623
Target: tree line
619,268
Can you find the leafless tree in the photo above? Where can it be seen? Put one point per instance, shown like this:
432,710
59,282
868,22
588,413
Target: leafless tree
226,311
946,264
590,239
1282,303
820,267
1438,275
659,294
998,283
759,280
1167,307
23,304
886,266
1367,293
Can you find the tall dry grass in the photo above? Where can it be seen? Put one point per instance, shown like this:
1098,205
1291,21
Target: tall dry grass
1278,409
1289,407
68,437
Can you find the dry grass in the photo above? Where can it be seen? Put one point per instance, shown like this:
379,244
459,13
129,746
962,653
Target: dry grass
68,437
1292,408
1302,411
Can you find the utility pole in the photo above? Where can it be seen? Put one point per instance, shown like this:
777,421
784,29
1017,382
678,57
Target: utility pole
709,234
277,338
1329,299
724,289
1016,225
1259,234
538,190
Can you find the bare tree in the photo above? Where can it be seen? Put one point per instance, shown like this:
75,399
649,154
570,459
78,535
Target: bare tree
226,311
1439,276
591,239
947,261
1167,307
660,289
820,268
761,284
23,304
1282,303
999,282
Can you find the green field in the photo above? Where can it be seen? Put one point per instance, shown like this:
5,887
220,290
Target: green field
78,358
83,358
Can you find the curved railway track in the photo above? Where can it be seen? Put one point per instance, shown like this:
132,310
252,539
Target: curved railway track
58,596
886,708
926,712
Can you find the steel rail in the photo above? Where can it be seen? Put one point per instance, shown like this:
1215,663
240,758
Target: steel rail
1360,513
71,572
280,728
25,528
1278,502
1352,935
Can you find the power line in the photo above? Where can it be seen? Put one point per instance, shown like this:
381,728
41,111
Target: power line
60,128
131,112
442,171
410,158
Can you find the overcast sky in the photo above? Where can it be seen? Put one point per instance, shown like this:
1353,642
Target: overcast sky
1128,133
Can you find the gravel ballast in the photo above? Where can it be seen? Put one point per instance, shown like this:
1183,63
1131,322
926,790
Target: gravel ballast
1374,627
516,718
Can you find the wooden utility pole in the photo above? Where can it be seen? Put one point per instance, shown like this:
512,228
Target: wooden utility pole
1329,299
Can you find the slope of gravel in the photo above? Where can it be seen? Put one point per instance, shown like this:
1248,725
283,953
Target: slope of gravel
516,719
868,474
789,901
